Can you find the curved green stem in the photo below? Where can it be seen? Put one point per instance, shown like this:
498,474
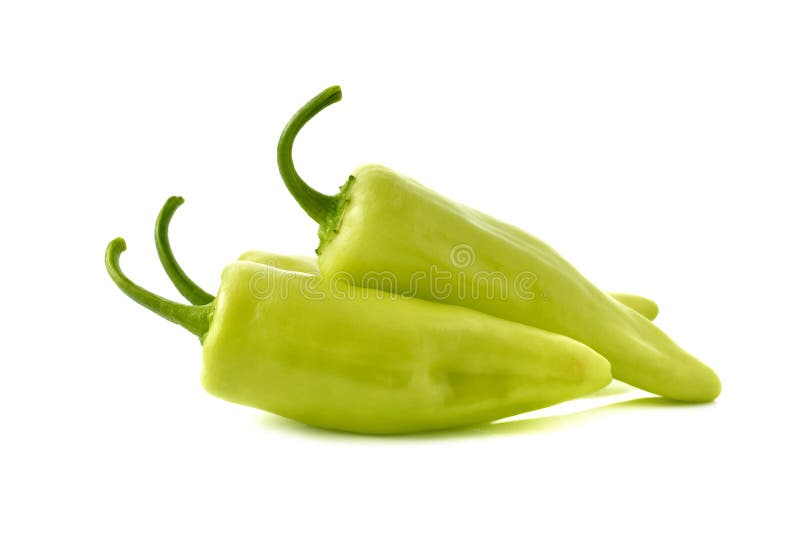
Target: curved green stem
195,319
317,205
193,293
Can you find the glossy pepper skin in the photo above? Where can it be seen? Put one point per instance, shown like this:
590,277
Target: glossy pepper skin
384,222
360,360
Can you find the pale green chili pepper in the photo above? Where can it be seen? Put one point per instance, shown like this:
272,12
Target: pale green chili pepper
361,360
385,224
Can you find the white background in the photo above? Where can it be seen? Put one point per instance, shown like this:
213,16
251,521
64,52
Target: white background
655,145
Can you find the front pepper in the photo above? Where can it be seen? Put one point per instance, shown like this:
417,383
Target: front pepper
353,359
385,228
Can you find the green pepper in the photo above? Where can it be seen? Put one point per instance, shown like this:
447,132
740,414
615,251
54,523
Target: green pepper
342,357
385,228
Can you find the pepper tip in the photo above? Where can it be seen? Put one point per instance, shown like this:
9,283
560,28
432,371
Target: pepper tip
118,245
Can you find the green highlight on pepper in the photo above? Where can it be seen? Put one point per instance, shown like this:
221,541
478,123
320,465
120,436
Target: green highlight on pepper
382,221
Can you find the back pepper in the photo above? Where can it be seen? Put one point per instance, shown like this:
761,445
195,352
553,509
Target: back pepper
358,360
302,264
385,224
